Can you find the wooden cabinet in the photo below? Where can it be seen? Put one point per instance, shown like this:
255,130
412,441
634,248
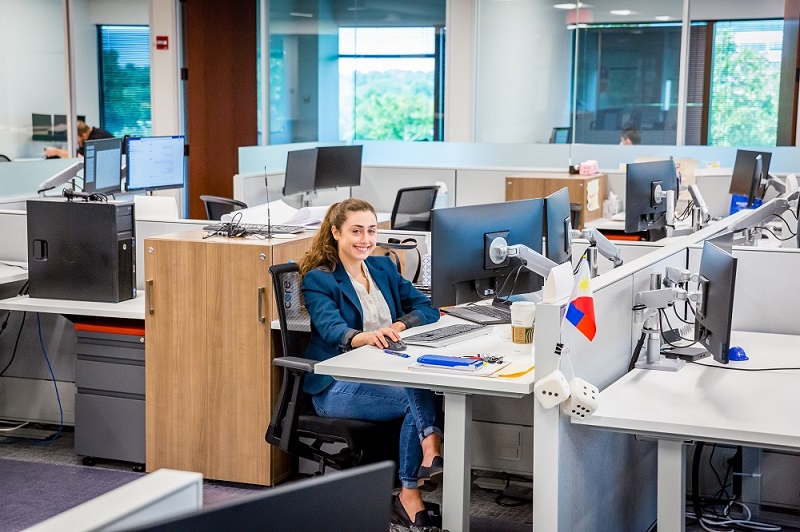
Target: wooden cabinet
587,191
208,349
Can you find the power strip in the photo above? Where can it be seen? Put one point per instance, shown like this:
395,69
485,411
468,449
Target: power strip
491,483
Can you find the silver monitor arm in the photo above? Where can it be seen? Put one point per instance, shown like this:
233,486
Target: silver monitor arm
60,178
700,214
558,277
599,241
647,306
755,220
777,184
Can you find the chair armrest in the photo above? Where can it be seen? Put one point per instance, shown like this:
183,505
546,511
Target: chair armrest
297,363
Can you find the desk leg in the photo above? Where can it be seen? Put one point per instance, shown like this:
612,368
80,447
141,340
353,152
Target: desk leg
671,486
458,462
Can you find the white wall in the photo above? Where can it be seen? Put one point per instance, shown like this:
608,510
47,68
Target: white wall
460,71
523,74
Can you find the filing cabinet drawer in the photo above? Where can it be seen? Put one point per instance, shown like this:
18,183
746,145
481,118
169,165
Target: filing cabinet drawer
110,427
105,377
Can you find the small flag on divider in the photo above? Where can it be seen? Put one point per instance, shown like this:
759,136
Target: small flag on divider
580,312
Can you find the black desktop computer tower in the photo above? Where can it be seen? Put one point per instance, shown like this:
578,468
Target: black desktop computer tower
81,250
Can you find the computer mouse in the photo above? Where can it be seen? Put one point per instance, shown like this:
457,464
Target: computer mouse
395,345
736,353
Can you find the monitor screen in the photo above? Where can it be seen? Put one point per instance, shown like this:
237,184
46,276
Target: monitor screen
301,170
458,271
101,166
338,166
155,162
558,226
561,135
746,179
41,125
643,209
713,316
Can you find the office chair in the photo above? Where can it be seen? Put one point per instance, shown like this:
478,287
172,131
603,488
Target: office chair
412,208
216,206
294,416
4,159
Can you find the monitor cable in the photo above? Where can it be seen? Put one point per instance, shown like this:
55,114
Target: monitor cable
637,351
16,342
71,194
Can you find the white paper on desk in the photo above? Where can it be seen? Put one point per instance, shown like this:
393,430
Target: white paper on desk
487,370
278,213
307,216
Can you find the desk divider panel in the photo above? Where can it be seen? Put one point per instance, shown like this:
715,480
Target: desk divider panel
587,479
14,235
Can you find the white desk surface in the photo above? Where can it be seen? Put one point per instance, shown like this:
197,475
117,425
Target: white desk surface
13,271
131,309
369,364
757,409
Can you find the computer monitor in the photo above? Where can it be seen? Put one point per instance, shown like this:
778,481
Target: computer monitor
459,236
101,166
353,499
41,126
713,315
561,135
301,171
558,243
338,166
155,162
645,184
748,172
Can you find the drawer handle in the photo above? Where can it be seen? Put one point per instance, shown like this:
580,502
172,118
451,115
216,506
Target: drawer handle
261,317
148,295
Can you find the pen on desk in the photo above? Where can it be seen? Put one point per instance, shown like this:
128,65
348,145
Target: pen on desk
396,353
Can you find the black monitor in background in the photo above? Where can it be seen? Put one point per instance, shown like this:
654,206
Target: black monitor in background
459,236
301,171
42,126
748,172
155,162
101,166
643,181
561,135
338,166
558,244
713,316
353,499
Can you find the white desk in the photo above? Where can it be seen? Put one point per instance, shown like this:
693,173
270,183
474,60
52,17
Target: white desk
13,271
130,309
754,409
368,364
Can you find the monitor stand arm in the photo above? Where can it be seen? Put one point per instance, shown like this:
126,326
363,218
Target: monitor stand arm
598,242
558,277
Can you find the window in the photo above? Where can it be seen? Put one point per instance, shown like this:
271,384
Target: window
125,80
745,82
388,84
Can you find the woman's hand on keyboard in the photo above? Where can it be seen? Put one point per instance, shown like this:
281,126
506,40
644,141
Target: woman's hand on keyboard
376,338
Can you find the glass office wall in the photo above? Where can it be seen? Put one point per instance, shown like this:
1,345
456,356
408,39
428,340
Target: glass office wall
344,70
33,87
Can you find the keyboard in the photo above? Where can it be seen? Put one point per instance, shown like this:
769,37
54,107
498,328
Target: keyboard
483,314
256,229
449,334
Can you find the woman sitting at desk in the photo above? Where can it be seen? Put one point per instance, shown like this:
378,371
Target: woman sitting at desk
356,299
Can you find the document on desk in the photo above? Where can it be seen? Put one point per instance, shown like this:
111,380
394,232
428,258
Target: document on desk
515,370
487,370
307,216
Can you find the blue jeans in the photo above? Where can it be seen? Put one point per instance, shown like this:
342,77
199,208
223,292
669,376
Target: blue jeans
372,402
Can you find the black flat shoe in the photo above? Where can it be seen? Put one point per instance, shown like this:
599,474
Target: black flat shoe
399,515
432,473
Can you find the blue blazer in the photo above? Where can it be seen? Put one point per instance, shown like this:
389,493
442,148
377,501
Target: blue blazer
336,314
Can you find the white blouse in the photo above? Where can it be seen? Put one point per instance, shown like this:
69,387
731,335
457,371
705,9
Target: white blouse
373,305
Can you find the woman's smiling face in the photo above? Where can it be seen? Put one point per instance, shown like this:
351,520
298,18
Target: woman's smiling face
356,238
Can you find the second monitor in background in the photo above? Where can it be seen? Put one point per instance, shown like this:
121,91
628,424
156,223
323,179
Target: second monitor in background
459,273
646,187
102,166
301,172
713,316
749,174
338,166
558,214
155,163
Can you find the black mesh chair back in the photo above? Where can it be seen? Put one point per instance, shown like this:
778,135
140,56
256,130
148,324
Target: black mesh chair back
293,416
216,206
412,208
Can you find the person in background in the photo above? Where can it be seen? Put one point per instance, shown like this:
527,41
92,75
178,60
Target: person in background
630,135
356,299
85,132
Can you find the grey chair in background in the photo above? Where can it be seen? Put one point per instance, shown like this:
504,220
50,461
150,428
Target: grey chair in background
216,206
412,208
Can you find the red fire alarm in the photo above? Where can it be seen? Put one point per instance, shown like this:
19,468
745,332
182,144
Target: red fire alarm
162,42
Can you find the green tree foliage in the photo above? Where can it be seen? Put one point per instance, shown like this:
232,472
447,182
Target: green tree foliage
394,105
744,95
126,97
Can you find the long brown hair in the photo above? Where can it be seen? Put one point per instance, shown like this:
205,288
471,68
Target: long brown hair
324,249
